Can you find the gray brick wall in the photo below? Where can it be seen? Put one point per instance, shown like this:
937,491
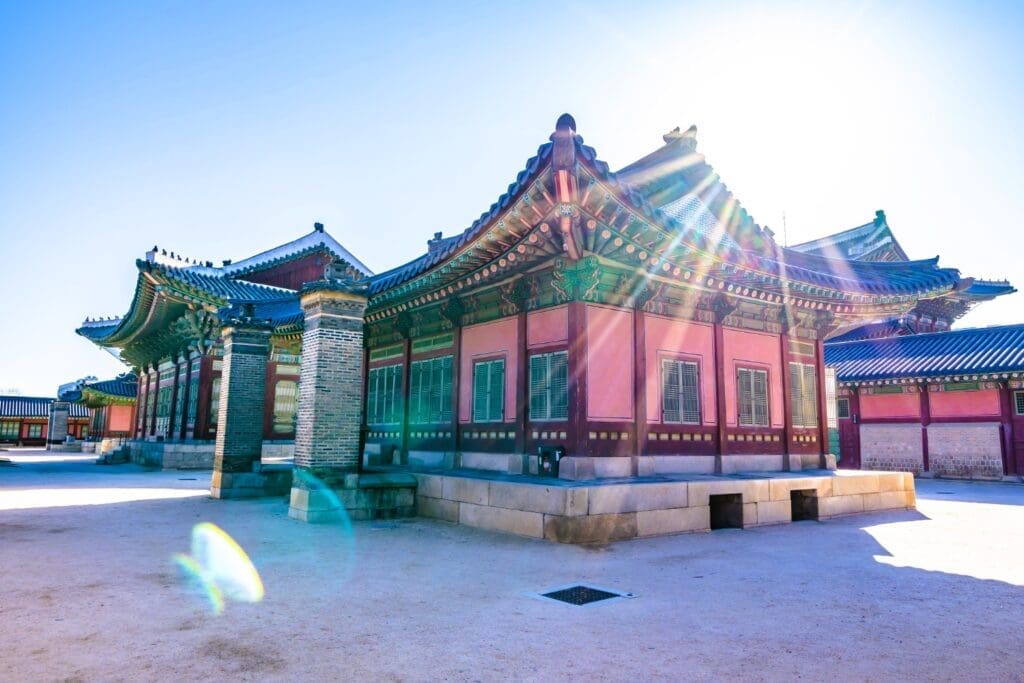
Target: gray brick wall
331,382
965,449
894,447
243,381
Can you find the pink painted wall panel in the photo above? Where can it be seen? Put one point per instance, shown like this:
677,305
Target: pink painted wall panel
669,338
550,326
609,363
120,419
890,405
758,350
489,340
984,403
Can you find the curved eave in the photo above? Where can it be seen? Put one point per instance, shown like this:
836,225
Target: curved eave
94,398
453,248
907,279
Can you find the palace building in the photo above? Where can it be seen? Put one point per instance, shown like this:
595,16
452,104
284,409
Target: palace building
27,421
638,322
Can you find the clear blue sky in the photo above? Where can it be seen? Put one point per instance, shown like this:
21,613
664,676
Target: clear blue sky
220,129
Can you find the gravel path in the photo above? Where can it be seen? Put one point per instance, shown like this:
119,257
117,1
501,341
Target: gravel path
90,592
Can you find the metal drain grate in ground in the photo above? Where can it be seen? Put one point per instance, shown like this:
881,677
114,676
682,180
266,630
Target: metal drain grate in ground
581,595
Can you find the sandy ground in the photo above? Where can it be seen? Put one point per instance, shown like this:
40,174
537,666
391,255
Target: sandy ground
90,593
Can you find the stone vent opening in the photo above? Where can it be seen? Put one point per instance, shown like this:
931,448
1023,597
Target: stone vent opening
580,595
726,511
804,505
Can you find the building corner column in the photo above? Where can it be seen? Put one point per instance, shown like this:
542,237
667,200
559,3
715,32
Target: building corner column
327,485
239,444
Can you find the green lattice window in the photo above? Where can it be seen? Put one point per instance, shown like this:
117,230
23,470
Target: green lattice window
680,401
9,430
803,395
384,395
549,386
752,393
1018,400
35,431
489,391
430,391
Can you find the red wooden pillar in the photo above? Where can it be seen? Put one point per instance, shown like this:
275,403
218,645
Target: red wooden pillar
640,379
173,412
522,385
787,398
819,386
1006,408
183,434
406,384
456,389
926,419
269,389
721,411
577,314
140,404
154,385
202,429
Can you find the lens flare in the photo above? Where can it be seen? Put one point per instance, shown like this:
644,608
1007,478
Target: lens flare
220,568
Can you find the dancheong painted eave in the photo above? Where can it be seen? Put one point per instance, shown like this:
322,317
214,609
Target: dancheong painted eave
970,354
619,220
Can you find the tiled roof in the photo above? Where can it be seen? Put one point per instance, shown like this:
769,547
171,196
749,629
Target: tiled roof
989,288
125,385
315,241
447,247
885,328
858,276
98,329
856,243
983,350
216,285
33,406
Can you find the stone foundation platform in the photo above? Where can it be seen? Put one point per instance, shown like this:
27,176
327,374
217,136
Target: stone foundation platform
368,495
192,455
598,511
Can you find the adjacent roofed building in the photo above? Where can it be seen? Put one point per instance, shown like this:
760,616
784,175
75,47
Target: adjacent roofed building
944,404
111,404
637,321
25,420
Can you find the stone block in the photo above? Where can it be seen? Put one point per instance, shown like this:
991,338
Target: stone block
780,488
465,490
492,462
680,520
436,508
774,512
751,463
610,468
500,519
890,500
749,515
684,464
891,481
528,497
515,464
430,485
590,529
851,483
635,497
576,469
834,506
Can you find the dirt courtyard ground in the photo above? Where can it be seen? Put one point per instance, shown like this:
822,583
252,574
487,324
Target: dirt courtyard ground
90,592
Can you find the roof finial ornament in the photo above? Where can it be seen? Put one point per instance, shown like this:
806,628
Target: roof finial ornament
566,122
675,135
880,217
318,227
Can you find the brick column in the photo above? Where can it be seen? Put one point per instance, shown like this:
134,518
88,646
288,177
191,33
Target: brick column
240,418
58,427
327,456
